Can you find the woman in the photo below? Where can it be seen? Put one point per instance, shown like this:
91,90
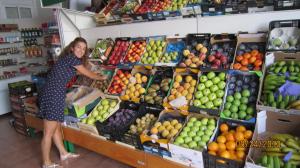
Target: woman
52,97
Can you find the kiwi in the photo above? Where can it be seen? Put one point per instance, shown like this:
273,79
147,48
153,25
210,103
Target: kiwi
153,94
165,88
155,86
151,90
147,98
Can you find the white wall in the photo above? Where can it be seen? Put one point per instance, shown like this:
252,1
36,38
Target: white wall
79,4
251,22
39,15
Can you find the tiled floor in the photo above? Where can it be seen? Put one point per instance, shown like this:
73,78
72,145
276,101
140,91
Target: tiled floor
18,151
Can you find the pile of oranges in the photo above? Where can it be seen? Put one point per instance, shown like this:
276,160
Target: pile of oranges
226,145
249,61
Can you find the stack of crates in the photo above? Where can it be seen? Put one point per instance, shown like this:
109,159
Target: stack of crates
22,96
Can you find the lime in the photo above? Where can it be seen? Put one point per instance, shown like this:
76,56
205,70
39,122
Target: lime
227,105
243,107
230,98
237,95
234,108
227,113
244,100
234,115
242,115
246,93
250,110
237,102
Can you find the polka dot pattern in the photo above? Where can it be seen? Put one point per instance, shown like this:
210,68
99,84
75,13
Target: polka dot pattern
52,97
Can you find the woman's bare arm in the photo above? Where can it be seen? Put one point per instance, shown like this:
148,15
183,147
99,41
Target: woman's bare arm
83,70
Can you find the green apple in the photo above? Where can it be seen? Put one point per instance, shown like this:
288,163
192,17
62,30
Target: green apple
193,119
211,127
245,93
234,108
98,118
202,143
237,95
187,139
203,78
197,103
208,132
243,107
104,102
242,115
222,76
106,107
208,83
229,98
227,105
227,113
198,94
192,134
192,144
95,113
211,121
187,129
220,93
212,96
211,75
151,42
209,105
99,108
217,102
244,100
214,88
190,124
204,121
206,92
221,85
197,138
183,134
105,115
234,115
179,140
195,129
84,120
250,110
90,121
200,133
197,123
204,100
205,138
216,80
237,102
201,86
113,103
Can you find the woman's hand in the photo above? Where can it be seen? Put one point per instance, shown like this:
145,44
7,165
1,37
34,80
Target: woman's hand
81,69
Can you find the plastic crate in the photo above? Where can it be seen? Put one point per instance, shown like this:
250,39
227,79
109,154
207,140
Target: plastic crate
236,6
286,4
112,132
287,27
22,88
134,139
209,8
211,161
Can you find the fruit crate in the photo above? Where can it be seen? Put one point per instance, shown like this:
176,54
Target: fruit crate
278,79
197,49
236,6
138,83
136,49
177,97
250,51
103,85
280,128
118,52
157,90
209,8
240,103
153,140
119,81
194,130
102,50
201,88
133,139
112,132
222,51
155,48
284,35
173,53
286,4
22,89
129,7
88,126
214,161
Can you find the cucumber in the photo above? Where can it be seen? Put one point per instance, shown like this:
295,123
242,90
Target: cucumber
292,69
281,105
284,69
281,63
271,98
279,99
265,160
277,70
288,165
271,161
274,104
286,99
297,69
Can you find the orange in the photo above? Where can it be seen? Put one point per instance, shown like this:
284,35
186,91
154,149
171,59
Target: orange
221,139
254,52
247,56
224,127
248,134
252,60
229,137
230,145
237,66
213,146
257,63
241,128
222,146
225,154
212,153
232,131
239,136
240,155
233,155
244,68
259,56
239,58
245,62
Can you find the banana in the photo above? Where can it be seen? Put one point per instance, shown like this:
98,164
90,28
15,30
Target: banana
297,107
281,137
292,144
272,150
289,150
294,104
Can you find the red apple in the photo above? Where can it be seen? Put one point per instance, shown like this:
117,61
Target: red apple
211,58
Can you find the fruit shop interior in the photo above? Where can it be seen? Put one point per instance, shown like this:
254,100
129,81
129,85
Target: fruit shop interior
212,84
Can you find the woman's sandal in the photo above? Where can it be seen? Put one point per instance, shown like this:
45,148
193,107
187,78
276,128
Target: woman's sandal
69,156
52,165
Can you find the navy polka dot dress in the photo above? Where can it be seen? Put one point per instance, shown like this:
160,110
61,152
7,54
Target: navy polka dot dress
52,96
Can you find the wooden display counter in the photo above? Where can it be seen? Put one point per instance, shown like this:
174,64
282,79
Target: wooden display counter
124,154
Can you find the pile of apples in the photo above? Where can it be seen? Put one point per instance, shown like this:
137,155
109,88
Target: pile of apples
184,88
161,5
118,53
177,5
119,82
135,52
194,60
145,7
136,87
226,143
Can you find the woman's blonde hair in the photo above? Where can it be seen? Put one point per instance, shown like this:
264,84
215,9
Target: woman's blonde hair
68,50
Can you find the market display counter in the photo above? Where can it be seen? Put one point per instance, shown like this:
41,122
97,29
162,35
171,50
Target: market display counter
127,155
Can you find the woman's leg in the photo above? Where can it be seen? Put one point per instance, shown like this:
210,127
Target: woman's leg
49,129
57,138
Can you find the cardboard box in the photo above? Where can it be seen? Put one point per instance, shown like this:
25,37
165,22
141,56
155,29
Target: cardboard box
246,38
270,59
189,157
184,72
157,145
267,124
88,98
